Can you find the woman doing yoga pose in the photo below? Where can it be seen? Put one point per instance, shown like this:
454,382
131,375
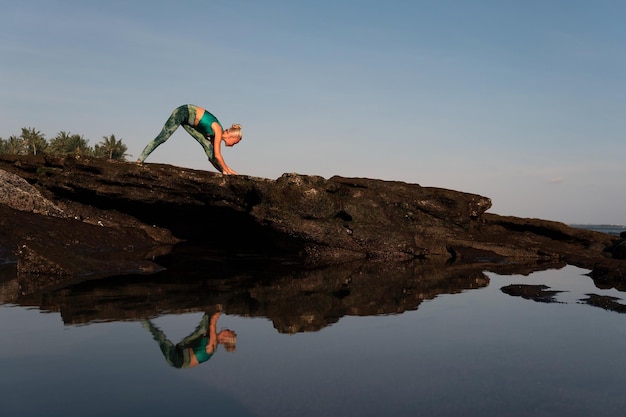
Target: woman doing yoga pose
203,127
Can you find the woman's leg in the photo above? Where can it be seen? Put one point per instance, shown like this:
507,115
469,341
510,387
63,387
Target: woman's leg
201,329
206,145
179,116
170,352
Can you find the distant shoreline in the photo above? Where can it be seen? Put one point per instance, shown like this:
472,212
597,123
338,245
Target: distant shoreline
611,229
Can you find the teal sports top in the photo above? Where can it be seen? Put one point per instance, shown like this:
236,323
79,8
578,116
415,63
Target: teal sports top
204,125
200,350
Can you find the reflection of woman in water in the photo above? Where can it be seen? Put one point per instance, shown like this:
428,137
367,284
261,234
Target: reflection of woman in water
196,348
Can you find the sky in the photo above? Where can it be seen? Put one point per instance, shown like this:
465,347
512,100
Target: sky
519,101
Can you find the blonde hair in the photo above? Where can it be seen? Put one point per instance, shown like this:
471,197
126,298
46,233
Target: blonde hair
235,129
229,342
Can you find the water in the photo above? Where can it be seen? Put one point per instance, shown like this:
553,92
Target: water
358,341
611,229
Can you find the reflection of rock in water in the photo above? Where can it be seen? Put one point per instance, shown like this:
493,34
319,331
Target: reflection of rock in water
605,282
295,300
604,301
539,293
309,301
9,287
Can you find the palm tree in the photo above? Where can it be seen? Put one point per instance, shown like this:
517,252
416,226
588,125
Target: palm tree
78,145
59,144
34,140
13,145
111,148
65,143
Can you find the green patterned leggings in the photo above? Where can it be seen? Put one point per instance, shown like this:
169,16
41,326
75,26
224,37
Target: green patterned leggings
177,355
182,116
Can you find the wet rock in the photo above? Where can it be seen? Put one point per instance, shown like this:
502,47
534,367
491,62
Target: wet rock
306,218
51,251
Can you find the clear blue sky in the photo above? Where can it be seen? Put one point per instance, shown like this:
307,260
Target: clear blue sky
520,101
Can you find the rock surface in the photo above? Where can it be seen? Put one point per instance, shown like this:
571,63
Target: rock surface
18,194
134,210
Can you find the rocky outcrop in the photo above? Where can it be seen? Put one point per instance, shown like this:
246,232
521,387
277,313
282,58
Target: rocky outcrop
52,251
306,219
18,194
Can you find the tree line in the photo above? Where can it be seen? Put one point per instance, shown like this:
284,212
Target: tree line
33,142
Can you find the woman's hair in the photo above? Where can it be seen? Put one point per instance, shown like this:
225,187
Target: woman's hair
235,129
229,342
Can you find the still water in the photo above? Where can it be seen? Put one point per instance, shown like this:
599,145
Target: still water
390,342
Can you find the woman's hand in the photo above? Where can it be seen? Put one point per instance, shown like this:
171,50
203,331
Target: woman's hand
228,171
217,150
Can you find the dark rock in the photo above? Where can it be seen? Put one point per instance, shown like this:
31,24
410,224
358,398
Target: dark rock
51,251
308,219
616,250
606,302
619,252
539,293
16,193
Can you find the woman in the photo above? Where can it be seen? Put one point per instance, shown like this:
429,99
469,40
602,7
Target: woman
196,348
203,127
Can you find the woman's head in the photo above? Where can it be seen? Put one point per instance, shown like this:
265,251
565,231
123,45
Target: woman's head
228,339
232,135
